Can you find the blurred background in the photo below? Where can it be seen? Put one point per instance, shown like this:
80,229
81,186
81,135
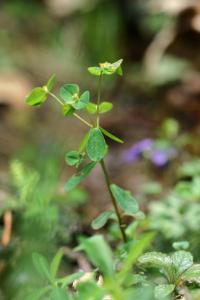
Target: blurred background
156,112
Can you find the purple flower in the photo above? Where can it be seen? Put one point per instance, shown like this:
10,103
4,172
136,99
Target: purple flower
134,152
160,157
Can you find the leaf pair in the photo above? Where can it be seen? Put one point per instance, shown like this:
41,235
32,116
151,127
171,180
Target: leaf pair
124,199
107,68
39,94
96,148
45,269
70,93
104,107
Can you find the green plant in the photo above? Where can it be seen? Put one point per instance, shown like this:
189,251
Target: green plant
93,145
178,269
113,283
177,215
115,274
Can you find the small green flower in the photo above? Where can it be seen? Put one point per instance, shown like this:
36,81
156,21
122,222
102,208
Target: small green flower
107,68
70,93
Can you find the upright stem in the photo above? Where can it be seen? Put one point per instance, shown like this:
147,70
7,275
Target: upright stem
104,169
108,183
99,99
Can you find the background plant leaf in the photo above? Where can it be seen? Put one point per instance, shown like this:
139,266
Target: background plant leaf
102,219
125,200
77,178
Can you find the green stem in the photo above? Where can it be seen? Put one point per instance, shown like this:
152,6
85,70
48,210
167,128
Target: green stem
99,99
74,114
108,183
56,98
104,169
83,120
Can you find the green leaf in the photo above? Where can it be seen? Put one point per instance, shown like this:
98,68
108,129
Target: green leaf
173,265
119,71
51,82
155,259
42,266
90,288
100,254
67,280
182,245
36,295
105,107
96,71
118,67
91,108
181,260
58,294
125,200
73,158
83,101
77,178
102,219
67,110
107,68
136,249
56,262
163,290
84,142
67,91
96,147
36,97
111,136
192,274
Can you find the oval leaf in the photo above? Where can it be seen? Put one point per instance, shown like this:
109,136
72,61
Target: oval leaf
181,260
77,178
96,147
163,290
155,259
36,97
67,91
125,200
105,107
102,219
91,108
192,274
84,99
